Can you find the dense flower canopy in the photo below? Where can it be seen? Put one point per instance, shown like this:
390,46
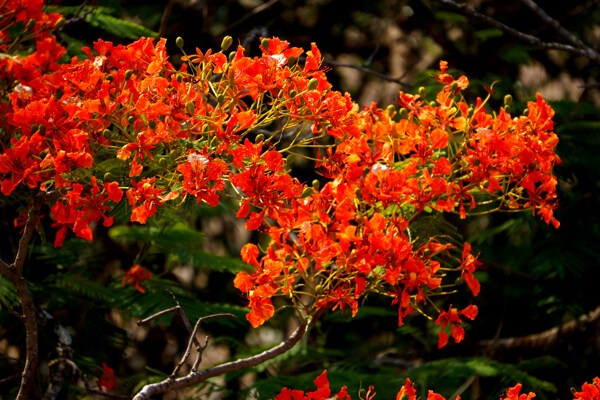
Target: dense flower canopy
125,128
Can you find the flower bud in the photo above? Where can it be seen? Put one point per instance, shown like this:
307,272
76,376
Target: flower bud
190,107
316,184
128,74
422,92
403,113
42,130
232,56
454,86
227,41
292,60
312,83
108,177
307,191
390,110
293,93
152,124
265,44
508,100
131,120
259,138
220,98
179,42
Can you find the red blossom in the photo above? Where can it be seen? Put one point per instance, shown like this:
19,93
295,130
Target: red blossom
134,276
107,381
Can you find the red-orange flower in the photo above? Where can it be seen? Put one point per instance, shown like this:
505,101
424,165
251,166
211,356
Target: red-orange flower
107,381
135,275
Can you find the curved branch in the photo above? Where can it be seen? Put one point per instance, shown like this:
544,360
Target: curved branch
197,377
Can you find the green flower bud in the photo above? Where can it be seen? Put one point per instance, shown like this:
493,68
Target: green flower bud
454,87
152,124
265,44
110,78
312,83
163,162
259,138
190,107
42,130
179,42
390,110
108,177
128,74
403,113
232,56
293,93
131,120
422,92
508,100
226,43
307,191
291,61
220,98
316,184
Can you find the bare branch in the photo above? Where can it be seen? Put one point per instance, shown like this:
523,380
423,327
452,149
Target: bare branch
158,314
197,377
524,37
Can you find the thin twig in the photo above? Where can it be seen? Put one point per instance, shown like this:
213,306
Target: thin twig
10,310
158,314
165,18
463,387
193,341
368,71
252,13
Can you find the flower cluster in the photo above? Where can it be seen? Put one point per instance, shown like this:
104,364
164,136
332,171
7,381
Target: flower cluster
125,127
355,234
408,392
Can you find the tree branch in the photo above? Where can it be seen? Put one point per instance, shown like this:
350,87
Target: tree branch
197,377
524,37
554,24
369,71
543,340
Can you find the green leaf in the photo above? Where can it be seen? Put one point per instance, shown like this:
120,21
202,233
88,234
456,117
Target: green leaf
119,27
